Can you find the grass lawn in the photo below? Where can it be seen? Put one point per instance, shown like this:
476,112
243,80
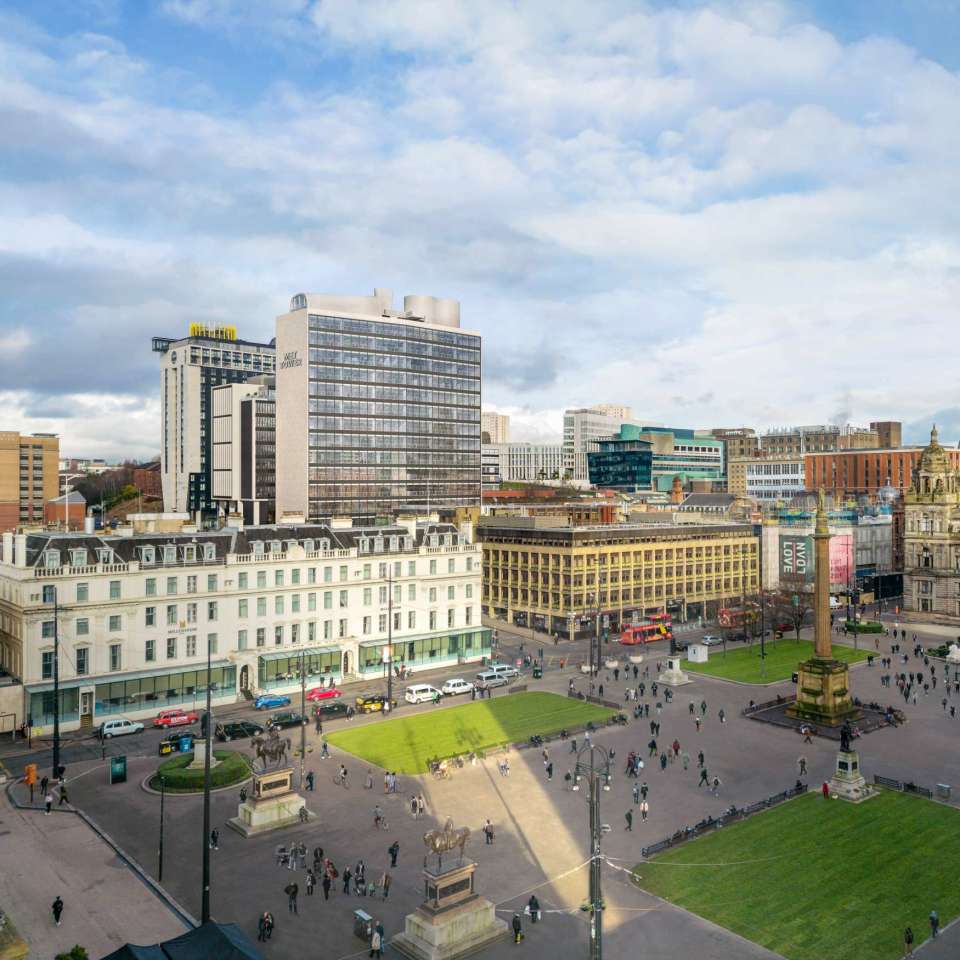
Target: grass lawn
404,744
844,881
742,662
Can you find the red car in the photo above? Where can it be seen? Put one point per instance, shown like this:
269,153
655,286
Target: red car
174,718
323,693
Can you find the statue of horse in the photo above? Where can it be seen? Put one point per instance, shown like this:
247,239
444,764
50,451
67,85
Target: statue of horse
449,838
274,748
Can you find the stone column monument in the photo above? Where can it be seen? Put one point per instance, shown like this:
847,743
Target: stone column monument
823,683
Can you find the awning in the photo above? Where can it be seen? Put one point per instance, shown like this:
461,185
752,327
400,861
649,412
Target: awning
94,679
295,654
436,635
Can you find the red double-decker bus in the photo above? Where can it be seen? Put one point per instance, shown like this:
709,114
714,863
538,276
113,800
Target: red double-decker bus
657,627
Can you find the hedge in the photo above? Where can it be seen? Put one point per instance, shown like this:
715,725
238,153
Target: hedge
864,626
178,778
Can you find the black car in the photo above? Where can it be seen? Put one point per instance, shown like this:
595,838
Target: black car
238,730
280,721
331,709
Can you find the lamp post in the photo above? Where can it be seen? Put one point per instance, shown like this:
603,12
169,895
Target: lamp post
56,684
205,892
590,769
163,783
303,715
389,651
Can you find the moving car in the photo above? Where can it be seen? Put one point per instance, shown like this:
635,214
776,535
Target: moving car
490,678
453,687
118,727
237,730
323,693
372,703
421,693
331,709
709,640
268,701
280,721
171,744
174,718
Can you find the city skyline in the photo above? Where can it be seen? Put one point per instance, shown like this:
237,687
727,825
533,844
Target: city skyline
621,182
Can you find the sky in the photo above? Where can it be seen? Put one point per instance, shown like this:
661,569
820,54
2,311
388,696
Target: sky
719,213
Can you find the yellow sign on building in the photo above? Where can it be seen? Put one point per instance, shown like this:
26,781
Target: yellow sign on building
221,332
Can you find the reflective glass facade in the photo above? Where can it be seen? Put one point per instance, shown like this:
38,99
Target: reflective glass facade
423,651
394,416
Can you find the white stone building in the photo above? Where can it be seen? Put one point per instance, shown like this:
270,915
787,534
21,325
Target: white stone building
775,478
135,614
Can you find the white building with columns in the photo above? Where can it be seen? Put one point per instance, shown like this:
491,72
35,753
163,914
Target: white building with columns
134,614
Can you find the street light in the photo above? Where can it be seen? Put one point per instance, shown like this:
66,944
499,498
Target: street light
592,770
163,783
205,893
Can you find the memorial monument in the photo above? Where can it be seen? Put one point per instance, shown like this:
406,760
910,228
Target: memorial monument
453,920
848,782
823,683
673,676
273,803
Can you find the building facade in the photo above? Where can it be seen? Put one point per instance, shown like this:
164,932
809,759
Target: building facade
244,450
771,479
66,512
581,427
530,462
868,472
146,478
136,614
738,442
622,462
189,370
377,410
490,475
29,476
931,575
889,433
560,579
796,441
494,427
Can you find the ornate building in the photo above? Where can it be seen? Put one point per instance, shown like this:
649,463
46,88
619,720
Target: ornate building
931,576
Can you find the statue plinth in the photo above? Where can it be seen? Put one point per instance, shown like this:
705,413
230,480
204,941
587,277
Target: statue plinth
673,676
848,782
453,920
199,755
272,805
823,693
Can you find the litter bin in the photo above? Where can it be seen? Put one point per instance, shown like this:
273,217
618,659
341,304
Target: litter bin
362,925
943,791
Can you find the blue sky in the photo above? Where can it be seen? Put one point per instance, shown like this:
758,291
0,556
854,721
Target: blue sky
721,213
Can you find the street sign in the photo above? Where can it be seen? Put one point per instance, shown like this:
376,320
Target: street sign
118,770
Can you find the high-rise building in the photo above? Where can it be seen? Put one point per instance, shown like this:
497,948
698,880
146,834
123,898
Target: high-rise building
581,427
378,410
889,433
796,441
29,476
244,449
494,427
189,370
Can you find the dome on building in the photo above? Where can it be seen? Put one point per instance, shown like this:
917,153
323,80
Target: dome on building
934,458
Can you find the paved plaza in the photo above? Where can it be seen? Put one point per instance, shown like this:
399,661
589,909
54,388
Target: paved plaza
541,825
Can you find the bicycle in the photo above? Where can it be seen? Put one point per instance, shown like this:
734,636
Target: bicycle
339,779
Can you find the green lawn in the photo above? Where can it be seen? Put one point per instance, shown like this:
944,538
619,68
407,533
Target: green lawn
843,882
742,662
404,744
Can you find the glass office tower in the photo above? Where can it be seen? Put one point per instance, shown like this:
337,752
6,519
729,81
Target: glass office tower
393,406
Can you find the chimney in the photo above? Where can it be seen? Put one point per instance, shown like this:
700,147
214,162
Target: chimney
20,550
8,548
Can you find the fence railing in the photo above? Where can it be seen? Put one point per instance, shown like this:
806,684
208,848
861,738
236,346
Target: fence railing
903,787
714,823
753,708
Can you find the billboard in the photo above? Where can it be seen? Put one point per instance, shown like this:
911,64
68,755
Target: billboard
796,558
841,560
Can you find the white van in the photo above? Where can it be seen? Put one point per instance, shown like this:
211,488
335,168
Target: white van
119,726
421,692
834,603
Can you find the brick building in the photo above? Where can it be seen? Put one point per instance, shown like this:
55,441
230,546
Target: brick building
29,476
848,472
148,479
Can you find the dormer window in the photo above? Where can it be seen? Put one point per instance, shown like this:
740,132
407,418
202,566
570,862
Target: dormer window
433,540
147,555
378,545
78,558
394,543
189,553
209,551
308,546
324,544
290,545
258,548
363,544
104,555
51,559
275,546
170,553
408,543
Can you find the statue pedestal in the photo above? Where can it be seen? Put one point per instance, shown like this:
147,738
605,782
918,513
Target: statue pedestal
199,756
848,782
453,921
673,676
953,654
823,693
272,805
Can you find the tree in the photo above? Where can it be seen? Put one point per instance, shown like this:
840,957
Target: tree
76,953
794,607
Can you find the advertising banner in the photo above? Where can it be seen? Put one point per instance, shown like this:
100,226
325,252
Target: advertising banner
841,560
796,559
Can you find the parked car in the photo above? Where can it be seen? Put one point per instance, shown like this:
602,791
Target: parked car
118,727
323,693
372,703
454,687
269,701
421,693
489,678
709,640
331,709
237,730
174,718
171,743
280,721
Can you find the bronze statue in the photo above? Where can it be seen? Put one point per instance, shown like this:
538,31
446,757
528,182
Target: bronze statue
440,841
846,733
271,749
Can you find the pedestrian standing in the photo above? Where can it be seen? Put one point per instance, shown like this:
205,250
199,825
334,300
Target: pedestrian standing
722,715
908,942
644,789
716,787
63,794
700,758
517,928
262,927
533,907
311,882
802,763
549,771
318,723
644,810
394,851
488,831
628,816
385,882
376,945
934,924
825,790
310,780
291,890
57,908
697,721
636,793
347,877
48,800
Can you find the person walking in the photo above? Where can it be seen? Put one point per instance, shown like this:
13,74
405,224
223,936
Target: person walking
644,790
715,790
722,715
311,882
215,839
48,801
636,793
934,924
517,928
802,764
644,810
310,780
685,759
488,832
663,761
550,771
697,720
908,942
628,816
533,906
57,909
376,944
825,790
262,927
291,890
700,759
385,881
704,779
394,851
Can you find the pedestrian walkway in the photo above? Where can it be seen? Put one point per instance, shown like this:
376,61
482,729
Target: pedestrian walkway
105,904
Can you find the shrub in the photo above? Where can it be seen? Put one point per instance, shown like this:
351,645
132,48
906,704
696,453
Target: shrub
178,778
76,953
864,626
